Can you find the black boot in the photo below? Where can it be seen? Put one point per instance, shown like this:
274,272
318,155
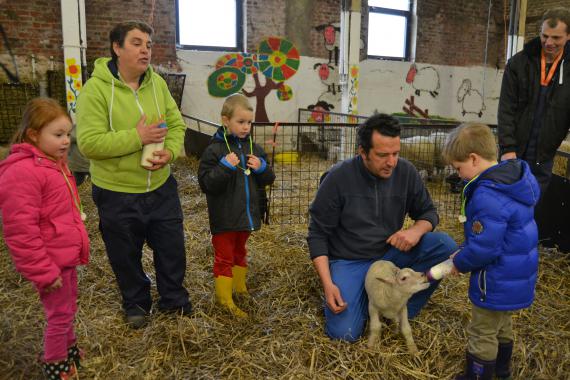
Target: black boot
477,369
75,355
58,370
503,367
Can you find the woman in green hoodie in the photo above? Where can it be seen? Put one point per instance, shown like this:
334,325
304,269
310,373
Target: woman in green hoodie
124,106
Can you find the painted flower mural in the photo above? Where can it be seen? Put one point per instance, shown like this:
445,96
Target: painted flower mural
73,83
276,58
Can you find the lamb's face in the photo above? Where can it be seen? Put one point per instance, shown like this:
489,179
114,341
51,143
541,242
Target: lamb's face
411,281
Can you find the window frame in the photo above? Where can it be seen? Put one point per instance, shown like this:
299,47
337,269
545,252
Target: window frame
407,38
239,33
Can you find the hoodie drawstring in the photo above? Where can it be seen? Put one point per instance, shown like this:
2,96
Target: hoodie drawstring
155,98
111,104
561,80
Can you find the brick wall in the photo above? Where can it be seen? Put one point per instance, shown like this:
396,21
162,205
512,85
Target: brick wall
265,18
102,15
454,33
535,9
449,33
34,27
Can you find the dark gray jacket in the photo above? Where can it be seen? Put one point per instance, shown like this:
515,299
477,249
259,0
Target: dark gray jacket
519,93
354,212
234,199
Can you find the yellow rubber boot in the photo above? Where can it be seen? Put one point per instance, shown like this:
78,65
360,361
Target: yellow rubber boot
224,295
239,274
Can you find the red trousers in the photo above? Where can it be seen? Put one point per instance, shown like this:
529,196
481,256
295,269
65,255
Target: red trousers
60,307
229,250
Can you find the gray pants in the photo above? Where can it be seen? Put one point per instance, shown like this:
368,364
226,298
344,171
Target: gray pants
486,329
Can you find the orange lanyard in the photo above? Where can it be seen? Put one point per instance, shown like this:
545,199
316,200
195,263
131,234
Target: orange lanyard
545,79
74,196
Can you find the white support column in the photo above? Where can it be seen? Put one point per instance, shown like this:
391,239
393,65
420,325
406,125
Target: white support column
349,65
74,45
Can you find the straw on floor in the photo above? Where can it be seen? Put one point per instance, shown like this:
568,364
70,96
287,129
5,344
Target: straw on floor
284,337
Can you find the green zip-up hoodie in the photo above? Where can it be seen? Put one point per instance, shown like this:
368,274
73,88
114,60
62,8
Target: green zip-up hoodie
107,114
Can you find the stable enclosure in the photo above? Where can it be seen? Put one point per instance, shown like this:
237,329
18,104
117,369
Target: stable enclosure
302,152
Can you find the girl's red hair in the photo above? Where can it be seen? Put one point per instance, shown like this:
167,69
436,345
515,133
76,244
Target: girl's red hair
38,113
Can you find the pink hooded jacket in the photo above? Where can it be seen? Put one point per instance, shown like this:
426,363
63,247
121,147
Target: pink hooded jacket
42,224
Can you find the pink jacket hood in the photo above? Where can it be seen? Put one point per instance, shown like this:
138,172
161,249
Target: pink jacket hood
41,222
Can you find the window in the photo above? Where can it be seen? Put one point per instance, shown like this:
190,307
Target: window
209,25
389,25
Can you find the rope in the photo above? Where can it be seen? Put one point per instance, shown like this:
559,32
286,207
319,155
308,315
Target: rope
506,35
486,47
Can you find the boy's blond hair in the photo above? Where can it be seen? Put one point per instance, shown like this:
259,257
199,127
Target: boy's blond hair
470,138
234,101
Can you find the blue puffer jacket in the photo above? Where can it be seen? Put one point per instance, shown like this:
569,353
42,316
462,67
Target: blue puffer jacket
501,237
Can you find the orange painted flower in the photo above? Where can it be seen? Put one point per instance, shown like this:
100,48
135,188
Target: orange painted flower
72,69
354,71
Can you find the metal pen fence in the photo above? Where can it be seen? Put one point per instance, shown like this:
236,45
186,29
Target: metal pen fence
320,115
301,152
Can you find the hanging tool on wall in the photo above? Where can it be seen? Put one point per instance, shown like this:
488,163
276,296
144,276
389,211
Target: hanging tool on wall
12,77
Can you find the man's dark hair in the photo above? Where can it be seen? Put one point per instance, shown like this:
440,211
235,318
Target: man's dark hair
384,124
555,15
119,32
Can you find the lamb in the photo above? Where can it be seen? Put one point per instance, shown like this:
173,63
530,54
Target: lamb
389,289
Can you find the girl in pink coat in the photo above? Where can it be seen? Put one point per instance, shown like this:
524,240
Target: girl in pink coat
43,227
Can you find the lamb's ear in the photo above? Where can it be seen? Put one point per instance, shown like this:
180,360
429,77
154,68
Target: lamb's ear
387,278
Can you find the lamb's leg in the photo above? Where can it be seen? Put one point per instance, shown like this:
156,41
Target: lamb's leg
407,331
374,325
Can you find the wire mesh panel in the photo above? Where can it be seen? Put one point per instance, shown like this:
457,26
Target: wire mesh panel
301,152
175,83
13,98
422,145
56,86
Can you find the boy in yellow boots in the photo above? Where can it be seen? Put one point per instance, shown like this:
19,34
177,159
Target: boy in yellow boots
232,171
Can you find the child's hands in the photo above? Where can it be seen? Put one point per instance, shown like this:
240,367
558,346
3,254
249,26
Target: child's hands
253,162
232,158
54,286
454,271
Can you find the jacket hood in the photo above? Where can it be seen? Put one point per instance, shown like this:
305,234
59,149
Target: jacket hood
20,152
533,47
104,68
219,136
512,178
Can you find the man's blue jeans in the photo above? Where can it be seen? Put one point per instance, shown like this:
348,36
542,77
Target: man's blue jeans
349,275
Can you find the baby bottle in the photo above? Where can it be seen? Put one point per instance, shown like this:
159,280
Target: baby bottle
439,271
149,149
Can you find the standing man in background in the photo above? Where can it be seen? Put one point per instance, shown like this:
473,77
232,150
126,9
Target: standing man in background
534,107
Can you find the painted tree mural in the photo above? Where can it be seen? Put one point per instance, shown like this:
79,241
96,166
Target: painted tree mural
276,58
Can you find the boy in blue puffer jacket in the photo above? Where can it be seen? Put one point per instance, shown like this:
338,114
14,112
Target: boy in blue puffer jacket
500,248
